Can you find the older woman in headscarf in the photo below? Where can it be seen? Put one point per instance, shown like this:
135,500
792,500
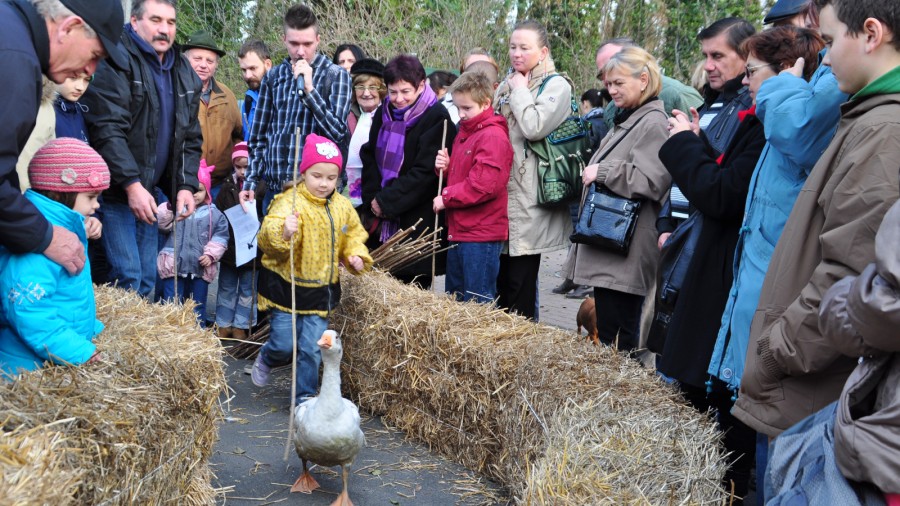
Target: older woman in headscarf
398,177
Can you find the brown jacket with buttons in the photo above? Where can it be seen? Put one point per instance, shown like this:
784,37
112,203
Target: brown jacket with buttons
220,122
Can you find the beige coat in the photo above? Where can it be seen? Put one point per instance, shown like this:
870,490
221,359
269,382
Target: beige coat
533,229
860,317
791,371
44,131
631,169
220,122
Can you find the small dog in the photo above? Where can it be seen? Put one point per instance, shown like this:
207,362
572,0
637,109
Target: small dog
587,318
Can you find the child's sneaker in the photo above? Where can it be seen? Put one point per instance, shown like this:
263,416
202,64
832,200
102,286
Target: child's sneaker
260,373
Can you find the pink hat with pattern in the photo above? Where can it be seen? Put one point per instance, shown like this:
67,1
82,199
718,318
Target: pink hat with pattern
318,149
68,165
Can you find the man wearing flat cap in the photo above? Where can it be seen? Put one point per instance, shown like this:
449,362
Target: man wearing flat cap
788,12
142,118
220,118
59,39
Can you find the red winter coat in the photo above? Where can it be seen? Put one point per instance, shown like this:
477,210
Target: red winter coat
475,195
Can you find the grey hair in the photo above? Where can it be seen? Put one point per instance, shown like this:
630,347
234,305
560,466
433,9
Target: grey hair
137,8
54,9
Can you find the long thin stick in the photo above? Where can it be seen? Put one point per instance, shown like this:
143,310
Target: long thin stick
440,184
290,438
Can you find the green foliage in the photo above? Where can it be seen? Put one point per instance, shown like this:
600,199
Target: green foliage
440,32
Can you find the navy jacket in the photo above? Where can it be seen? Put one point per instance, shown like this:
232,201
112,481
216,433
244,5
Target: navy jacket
25,53
123,124
69,119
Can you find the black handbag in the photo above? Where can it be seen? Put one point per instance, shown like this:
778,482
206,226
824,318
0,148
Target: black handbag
674,260
607,220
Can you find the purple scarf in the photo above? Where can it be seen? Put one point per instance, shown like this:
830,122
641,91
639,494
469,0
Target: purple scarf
392,139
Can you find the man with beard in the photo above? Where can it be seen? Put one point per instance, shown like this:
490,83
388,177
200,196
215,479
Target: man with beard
142,118
255,63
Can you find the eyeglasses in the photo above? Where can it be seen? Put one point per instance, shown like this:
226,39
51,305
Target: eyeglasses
749,71
370,89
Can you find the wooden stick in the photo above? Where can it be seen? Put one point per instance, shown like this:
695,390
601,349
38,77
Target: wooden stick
290,438
440,184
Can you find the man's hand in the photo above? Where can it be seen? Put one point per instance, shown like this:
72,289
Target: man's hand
302,68
66,250
663,237
797,69
93,228
141,202
246,196
184,204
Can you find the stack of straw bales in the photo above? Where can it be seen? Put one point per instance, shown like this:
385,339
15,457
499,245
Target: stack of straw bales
137,428
555,419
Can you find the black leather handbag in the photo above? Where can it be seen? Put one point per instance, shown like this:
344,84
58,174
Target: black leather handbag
607,220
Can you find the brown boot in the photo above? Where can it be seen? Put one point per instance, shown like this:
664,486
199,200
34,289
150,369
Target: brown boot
225,332
237,333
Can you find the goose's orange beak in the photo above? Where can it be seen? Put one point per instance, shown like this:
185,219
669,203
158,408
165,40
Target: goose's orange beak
327,340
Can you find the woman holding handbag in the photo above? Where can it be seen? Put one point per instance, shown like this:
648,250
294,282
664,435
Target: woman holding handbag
627,165
532,112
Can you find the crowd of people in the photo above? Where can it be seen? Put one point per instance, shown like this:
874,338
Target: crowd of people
764,249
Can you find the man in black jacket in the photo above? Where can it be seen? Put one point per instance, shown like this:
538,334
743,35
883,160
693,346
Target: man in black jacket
63,39
142,118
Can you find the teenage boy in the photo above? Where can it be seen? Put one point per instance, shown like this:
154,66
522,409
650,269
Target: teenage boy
475,197
791,371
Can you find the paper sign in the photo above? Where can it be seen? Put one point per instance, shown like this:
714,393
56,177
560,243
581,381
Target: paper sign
244,228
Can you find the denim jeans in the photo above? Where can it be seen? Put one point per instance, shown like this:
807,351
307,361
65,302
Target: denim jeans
131,248
278,350
234,301
188,288
472,269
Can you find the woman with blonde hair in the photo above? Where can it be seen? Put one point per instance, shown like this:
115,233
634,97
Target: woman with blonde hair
627,163
534,99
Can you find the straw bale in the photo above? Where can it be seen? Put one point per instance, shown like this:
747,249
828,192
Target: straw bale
137,428
529,405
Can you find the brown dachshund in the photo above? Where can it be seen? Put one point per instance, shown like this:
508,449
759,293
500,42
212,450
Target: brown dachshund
587,318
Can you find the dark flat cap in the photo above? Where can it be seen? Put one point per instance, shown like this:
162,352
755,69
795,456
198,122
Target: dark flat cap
104,17
784,9
368,66
202,40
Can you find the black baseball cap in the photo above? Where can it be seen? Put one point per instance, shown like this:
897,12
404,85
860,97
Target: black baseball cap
107,18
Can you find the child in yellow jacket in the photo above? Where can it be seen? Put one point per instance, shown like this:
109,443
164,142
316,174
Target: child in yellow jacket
326,232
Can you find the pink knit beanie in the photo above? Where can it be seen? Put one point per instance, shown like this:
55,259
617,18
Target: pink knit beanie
204,175
240,150
68,165
318,149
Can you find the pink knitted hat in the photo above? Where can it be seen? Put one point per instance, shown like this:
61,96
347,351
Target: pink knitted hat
68,165
240,150
204,175
318,149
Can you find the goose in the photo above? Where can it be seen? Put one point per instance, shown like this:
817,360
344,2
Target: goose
328,432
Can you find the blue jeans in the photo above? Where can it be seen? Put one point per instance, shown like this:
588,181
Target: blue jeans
268,198
234,301
188,288
131,248
278,350
472,269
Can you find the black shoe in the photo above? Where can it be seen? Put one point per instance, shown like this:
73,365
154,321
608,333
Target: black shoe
580,292
565,287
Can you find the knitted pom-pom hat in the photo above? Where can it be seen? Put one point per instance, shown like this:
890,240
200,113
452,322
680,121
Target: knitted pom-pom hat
318,149
240,150
67,165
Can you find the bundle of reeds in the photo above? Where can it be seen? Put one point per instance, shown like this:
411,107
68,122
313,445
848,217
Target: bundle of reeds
555,419
136,428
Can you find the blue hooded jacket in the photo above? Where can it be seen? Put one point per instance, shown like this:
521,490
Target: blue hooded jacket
50,315
800,119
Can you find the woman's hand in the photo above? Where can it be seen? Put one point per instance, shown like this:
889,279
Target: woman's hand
376,209
206,260
442,161
796,70
517,80
679,122
663,237
93,228
356,263
437,205
291,225
589,175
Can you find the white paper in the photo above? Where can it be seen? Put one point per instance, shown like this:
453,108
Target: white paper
244,228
